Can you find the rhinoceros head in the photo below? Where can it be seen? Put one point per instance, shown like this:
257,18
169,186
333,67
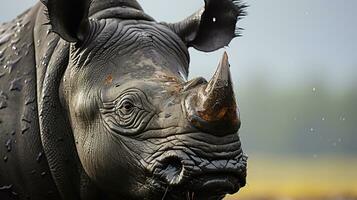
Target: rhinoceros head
141,130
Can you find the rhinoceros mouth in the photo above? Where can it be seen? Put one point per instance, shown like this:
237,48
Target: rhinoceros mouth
216,185
184,176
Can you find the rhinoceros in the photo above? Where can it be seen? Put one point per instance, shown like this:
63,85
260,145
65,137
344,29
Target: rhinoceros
95,104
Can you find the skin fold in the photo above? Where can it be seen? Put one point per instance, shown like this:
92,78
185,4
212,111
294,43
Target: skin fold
95,104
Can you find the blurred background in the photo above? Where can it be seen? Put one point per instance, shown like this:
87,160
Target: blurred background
295,73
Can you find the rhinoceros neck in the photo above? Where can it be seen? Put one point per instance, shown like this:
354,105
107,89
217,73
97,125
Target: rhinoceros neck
99,5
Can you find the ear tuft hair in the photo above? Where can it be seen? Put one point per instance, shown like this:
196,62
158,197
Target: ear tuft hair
213,27
241,10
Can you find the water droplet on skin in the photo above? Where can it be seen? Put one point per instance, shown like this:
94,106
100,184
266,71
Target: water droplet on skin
3,104
14,193
5,38
15,41
8,145
12,64
16,85
5,187
39,157
3,95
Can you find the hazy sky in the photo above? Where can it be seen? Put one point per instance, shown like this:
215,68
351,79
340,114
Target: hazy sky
287,42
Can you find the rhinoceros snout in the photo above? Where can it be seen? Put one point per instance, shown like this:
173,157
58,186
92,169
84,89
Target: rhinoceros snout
205,178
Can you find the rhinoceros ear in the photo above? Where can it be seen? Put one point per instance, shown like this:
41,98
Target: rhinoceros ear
69,18
212,27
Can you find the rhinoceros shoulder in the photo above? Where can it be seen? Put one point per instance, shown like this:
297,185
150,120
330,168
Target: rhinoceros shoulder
23,167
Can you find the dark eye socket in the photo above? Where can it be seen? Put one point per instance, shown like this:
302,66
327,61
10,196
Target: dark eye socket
127,105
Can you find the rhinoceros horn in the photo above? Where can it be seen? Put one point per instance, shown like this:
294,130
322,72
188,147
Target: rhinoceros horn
214,109
212,27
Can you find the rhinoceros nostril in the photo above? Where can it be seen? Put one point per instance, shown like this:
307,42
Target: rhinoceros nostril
172,170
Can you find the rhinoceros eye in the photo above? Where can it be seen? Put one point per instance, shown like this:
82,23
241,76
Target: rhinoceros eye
129,113
126,106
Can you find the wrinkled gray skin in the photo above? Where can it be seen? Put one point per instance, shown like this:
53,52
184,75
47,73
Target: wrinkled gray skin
94,104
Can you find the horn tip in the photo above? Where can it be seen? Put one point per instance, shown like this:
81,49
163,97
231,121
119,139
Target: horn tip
225,54
225,61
